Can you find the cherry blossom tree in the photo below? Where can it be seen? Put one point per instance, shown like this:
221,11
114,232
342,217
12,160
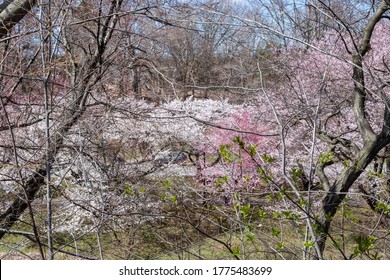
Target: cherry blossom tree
279,107
325,101
32,167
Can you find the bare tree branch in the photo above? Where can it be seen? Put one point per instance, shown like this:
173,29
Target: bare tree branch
11,12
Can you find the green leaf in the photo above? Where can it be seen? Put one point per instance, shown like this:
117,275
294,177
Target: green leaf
239,141
128,190
280,195
382,207
364,244
143,190
167,184
221,180
261,171
326,158
225,153
301,202
371,175
308,244
245,210
250,236
236,251
287,214
268,159
347,213
275,232
296,173
262,214
252,149
280,245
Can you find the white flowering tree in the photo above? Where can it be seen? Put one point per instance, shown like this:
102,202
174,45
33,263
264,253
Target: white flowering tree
277,114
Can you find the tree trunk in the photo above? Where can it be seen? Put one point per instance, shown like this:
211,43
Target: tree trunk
341,186
373,143
71,115
11,12
33,184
